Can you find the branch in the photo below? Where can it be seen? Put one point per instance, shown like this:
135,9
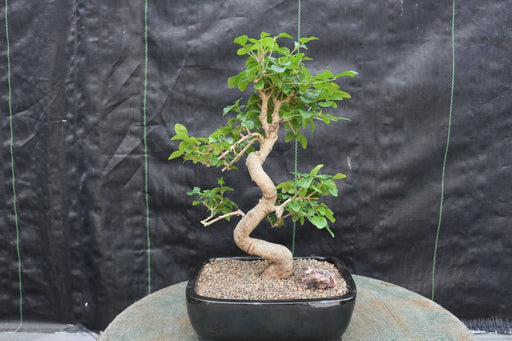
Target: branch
206,222
291,126
277,106
242,139
264,109
239,155
279,210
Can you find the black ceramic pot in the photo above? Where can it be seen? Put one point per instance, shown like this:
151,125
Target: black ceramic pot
282,320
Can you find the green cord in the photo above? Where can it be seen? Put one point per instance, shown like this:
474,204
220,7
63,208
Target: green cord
445,152
9,87
144,111
298,19
296,149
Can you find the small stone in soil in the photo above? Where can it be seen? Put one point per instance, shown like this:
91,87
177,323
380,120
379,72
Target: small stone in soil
316,278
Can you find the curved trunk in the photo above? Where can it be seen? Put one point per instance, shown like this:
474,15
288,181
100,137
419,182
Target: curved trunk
280,257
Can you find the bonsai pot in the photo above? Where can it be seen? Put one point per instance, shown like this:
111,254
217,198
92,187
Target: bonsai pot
319,319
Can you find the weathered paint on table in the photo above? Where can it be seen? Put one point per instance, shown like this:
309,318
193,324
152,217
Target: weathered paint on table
383,311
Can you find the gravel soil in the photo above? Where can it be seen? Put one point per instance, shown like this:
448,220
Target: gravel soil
240,280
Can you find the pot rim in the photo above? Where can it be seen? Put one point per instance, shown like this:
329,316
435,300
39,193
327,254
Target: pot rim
350,295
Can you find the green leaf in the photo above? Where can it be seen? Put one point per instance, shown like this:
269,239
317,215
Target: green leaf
302,140
194,191
329,215
284,35
289,136
325,75
241,40
277,69
326,104
241,51
338,176
248,124
305,183
242,85
259,85
180,130
233,81
344,94
319,221
175,154
315,170
330,231
214,160
305,113
348,73
294,205
332,188
307,39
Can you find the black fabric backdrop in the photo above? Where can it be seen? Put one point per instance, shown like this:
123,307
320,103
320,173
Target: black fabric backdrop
77,80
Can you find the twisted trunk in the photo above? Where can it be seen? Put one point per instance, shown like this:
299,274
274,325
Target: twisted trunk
280,257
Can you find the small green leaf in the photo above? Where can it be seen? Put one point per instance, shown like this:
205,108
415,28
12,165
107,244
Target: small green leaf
277,69
315,170
319,221
325,75
194,191
326,104
307,39
241,51
248,124
338,176
259,85
302,140
241,40
175,154
330,231
332,188
306,182
214,160
348,73
180,130
344,94
242,85
289,136
284,35
306,113
233,81
229,140
294,205
329,215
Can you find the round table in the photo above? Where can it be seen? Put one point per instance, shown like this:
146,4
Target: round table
383,311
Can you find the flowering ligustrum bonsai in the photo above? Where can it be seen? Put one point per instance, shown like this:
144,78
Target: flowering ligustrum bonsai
286,95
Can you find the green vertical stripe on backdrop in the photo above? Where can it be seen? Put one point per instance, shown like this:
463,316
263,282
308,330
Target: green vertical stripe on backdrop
445,154
144,113
9,89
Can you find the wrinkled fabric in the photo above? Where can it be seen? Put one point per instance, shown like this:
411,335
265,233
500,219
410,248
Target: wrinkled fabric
77,73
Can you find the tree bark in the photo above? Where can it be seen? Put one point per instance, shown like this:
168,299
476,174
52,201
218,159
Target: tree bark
280,257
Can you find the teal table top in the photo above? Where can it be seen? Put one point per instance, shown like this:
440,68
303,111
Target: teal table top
383,311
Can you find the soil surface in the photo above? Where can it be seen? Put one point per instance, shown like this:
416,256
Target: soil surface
240,280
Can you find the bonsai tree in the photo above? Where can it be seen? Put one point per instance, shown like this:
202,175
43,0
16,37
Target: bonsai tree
286,95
